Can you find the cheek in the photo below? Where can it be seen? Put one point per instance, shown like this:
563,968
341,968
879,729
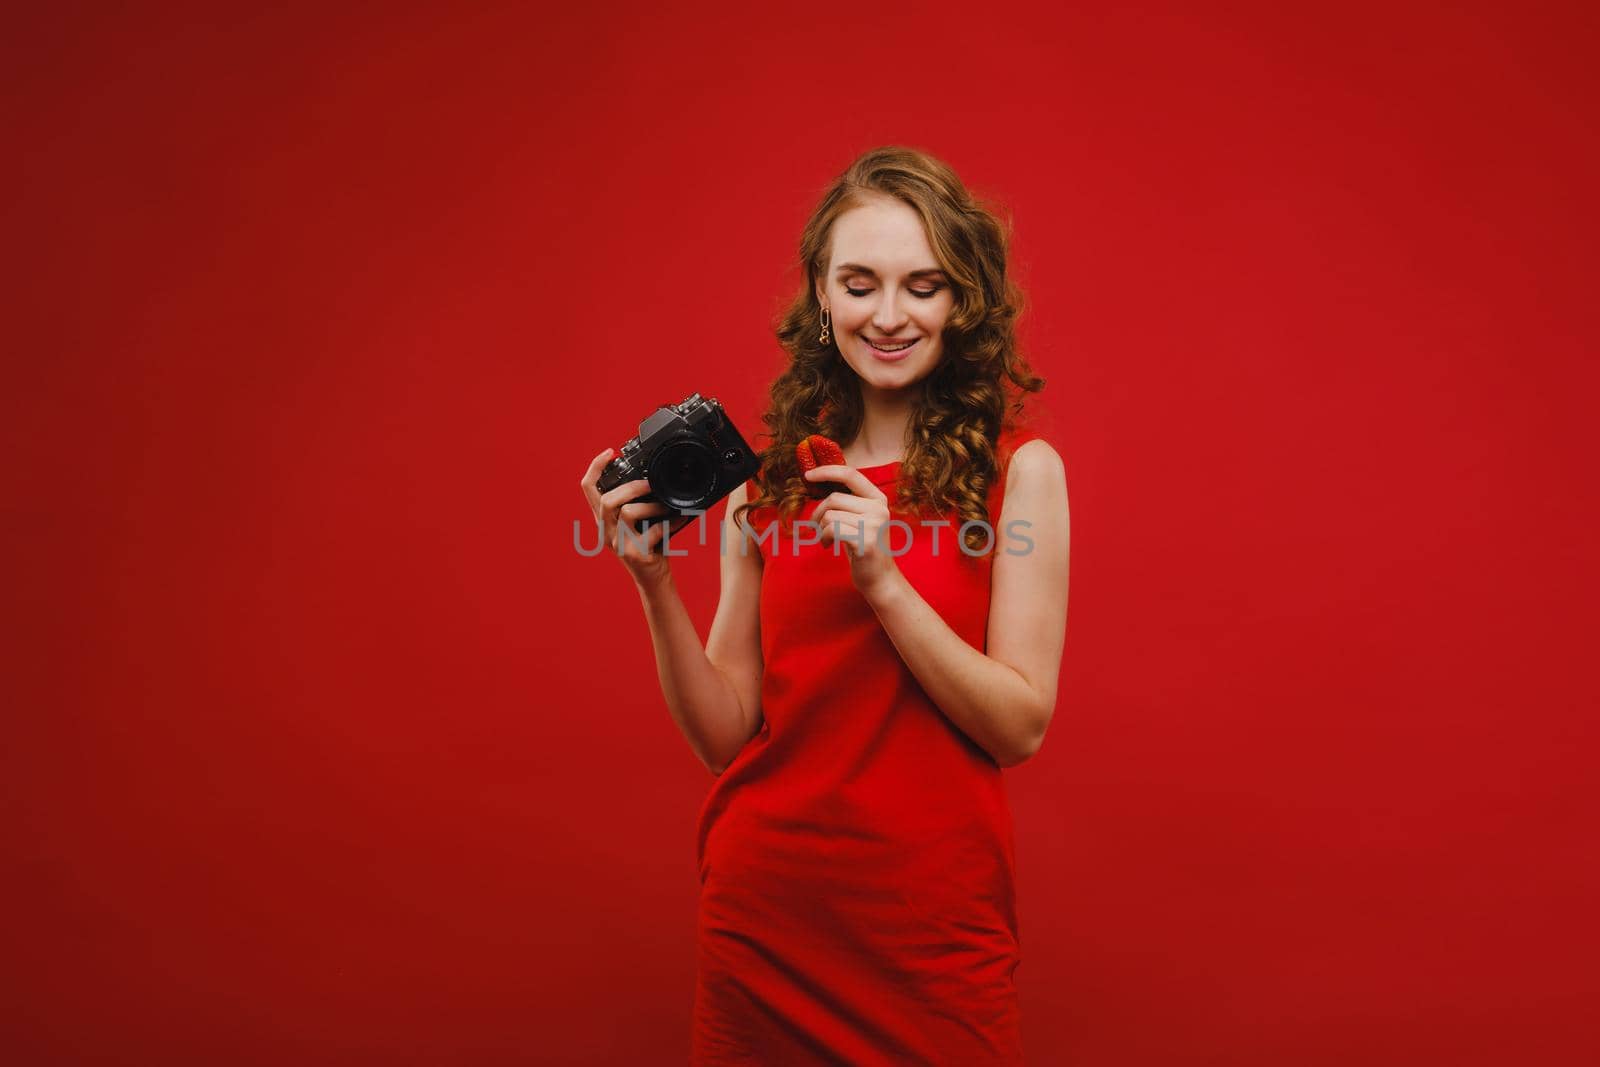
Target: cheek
848,311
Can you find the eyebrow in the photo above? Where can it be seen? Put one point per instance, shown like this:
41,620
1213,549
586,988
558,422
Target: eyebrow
856,268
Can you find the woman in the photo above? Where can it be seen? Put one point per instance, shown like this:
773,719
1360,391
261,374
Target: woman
878,653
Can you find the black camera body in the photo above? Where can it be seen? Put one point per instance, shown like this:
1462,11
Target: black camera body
690,453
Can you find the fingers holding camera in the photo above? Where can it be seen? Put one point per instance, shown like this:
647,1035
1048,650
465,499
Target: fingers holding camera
620,507
628,541
589,483
630,514
606,504
612,503
641,553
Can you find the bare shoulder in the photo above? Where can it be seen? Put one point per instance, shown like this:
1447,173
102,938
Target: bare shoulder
743,532
740,494
1028,595
1034,465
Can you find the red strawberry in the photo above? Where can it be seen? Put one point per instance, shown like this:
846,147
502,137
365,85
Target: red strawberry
818,451
826,451
802,452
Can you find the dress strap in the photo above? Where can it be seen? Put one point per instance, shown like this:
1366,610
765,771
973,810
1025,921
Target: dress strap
1011,440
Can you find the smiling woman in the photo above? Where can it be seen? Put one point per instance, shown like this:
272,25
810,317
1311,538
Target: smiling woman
903,344
898,317
861,692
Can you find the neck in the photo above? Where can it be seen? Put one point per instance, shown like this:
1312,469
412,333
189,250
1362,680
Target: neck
886,417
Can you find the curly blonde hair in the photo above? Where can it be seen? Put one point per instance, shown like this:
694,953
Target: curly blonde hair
961,408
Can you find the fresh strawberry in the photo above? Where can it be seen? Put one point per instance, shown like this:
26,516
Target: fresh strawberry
802,452
818,451
826,451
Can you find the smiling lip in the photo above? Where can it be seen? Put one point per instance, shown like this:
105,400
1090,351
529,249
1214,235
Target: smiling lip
890,357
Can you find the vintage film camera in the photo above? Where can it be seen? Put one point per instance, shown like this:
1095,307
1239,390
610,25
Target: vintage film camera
692,456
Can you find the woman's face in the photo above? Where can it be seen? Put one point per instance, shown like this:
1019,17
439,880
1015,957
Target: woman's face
883,285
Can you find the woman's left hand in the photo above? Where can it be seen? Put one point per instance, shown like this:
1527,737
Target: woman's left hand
860,519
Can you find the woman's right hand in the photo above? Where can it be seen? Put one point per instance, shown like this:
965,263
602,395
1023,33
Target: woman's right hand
640,553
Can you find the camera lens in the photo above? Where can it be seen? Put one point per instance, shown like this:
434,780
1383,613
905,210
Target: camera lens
683,474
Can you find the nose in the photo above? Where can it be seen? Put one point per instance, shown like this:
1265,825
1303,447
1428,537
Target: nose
889,316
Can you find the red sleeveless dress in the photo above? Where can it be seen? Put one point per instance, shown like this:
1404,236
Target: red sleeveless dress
857,865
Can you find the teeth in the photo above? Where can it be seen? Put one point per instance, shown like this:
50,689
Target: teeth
896,348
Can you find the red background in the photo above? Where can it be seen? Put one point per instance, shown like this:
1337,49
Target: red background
325,746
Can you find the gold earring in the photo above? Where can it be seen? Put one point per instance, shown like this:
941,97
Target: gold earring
827,320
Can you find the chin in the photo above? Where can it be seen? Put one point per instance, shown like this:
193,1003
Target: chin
896,379
893,375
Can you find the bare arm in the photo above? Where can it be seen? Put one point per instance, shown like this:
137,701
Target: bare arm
713,693
1004,699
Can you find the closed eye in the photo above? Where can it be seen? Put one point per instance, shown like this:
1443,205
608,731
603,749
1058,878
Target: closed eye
923,293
